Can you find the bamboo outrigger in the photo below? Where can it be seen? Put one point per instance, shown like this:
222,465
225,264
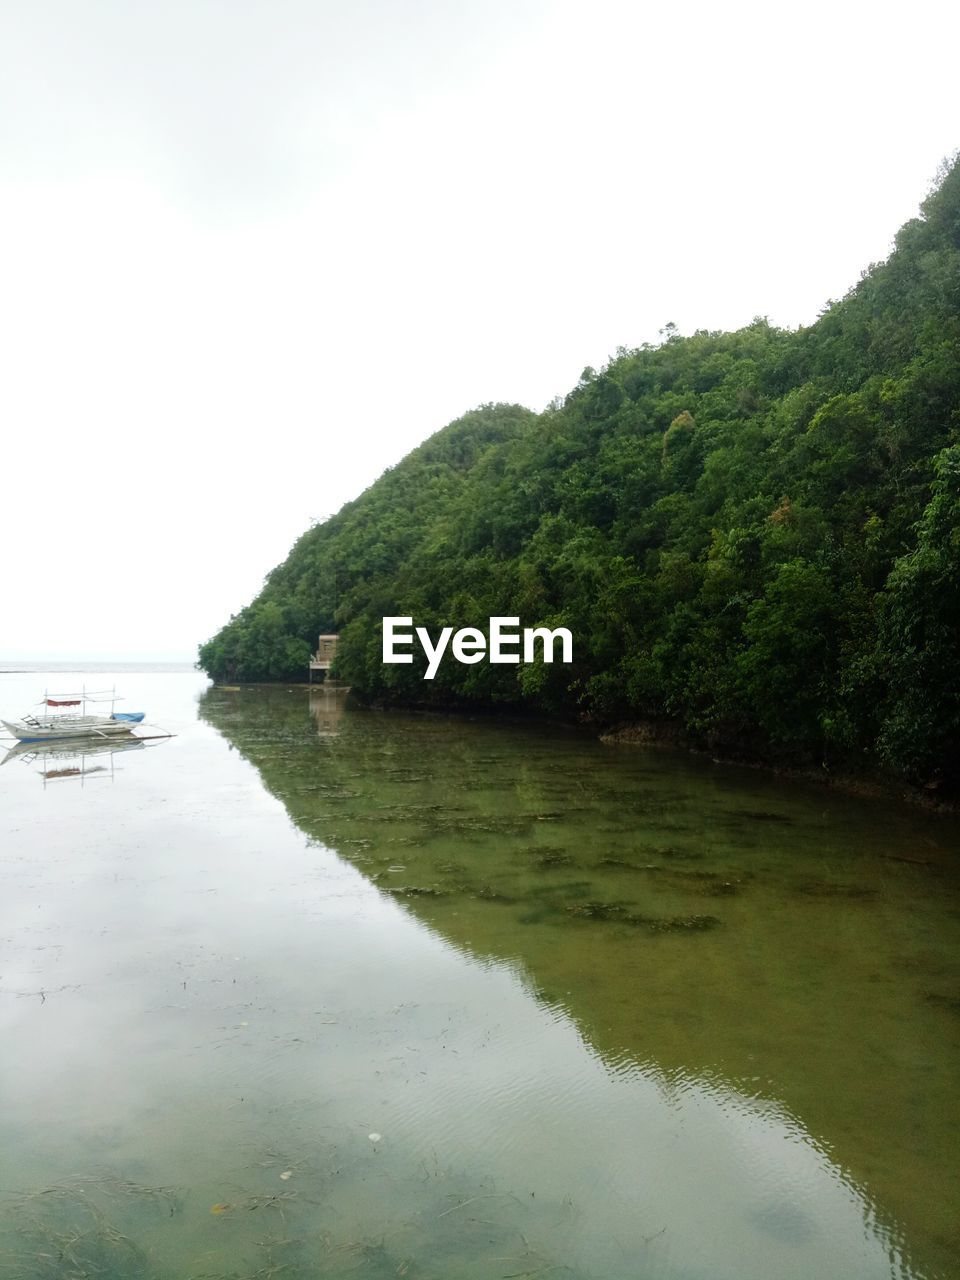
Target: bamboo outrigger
62,721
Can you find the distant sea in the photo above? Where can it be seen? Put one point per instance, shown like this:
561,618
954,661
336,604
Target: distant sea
9,666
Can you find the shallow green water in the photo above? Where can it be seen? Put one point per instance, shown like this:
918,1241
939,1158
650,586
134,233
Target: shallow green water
606,1012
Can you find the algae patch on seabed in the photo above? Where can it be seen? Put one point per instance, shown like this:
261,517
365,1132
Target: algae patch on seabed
757,815
85,1227
105,1228
620,914
546,859
416,891
713,883
943,1001
832,889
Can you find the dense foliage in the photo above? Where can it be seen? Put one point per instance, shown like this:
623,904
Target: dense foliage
755,534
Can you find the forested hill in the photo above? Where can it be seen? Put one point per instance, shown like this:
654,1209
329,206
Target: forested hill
755,535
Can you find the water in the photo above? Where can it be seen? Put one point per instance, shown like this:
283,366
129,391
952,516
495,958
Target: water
309,991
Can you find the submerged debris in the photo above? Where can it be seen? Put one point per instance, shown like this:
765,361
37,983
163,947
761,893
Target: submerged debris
722,888
68,1230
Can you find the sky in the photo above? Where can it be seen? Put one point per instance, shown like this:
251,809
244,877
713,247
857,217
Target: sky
254,251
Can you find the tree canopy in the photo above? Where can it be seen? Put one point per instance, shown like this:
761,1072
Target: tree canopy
754,534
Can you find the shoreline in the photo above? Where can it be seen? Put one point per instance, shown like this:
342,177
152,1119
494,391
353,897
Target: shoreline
668,736
663,735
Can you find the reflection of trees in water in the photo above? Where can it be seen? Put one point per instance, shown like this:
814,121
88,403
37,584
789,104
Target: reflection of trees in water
707,925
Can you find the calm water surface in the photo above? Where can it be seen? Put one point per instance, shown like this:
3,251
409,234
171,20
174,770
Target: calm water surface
312,991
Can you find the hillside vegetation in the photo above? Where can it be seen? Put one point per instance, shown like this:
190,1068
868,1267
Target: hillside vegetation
755,535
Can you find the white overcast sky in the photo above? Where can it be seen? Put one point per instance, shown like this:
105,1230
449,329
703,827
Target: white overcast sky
253,251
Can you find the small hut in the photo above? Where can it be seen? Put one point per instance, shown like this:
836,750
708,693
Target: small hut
326,652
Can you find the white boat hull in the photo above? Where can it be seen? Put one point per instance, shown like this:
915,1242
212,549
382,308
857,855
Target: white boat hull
60,727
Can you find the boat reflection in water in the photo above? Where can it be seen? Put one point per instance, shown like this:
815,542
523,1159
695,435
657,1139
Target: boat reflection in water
83,759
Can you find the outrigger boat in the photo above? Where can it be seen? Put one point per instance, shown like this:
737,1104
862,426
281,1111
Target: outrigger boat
62,721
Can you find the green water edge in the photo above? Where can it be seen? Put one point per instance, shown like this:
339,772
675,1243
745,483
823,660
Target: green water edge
576,1011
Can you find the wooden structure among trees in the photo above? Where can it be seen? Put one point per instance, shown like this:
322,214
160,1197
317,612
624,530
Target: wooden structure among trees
326,652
